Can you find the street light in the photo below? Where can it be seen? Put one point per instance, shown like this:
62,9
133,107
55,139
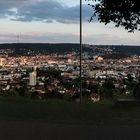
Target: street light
81,50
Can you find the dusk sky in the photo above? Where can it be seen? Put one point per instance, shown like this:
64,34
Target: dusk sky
56,21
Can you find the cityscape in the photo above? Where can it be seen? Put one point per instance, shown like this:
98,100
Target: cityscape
43,75
69,70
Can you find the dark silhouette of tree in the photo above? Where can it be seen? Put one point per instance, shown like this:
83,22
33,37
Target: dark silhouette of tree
130,78
124,13
107,89
129,82
34,95
23,88
136,91
53,95
52,73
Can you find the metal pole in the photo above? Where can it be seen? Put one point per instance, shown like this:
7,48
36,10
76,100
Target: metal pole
81,49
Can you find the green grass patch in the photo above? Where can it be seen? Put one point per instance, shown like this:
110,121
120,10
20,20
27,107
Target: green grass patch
60,111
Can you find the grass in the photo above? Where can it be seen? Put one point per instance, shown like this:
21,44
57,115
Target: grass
60,111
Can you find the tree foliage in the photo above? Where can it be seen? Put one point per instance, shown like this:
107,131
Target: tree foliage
136,91
107,89
124,13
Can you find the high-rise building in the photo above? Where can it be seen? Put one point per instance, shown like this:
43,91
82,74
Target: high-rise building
32,78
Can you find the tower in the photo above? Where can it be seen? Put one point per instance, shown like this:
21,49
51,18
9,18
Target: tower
32,78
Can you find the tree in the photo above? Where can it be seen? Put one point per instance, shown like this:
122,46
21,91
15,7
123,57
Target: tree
129,82
124,13
23,88
136,91
130,78
107,89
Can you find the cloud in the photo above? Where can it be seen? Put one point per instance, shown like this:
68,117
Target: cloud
110,39
42,10
98,39
40,38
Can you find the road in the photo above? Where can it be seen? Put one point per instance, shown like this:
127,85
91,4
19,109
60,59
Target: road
16,130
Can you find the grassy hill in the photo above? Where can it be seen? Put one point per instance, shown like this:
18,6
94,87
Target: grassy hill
59,111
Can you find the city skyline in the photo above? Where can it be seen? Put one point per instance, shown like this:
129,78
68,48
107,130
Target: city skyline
53,21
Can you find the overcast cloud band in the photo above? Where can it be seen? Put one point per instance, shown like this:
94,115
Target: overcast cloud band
42,10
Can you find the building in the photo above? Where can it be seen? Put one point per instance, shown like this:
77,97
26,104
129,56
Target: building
2,61
32,78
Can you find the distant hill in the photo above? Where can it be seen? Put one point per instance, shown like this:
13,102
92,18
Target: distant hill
35,48
124,49
59,48
106,50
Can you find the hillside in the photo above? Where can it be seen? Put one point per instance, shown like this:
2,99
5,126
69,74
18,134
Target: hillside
105,50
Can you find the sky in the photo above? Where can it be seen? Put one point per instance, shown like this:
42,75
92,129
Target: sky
57,21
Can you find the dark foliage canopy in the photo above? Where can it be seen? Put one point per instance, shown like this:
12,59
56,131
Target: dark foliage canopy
124,13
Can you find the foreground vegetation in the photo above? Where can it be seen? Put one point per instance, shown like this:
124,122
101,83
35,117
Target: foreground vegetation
60,111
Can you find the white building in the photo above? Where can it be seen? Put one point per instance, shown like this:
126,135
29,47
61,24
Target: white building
32,78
